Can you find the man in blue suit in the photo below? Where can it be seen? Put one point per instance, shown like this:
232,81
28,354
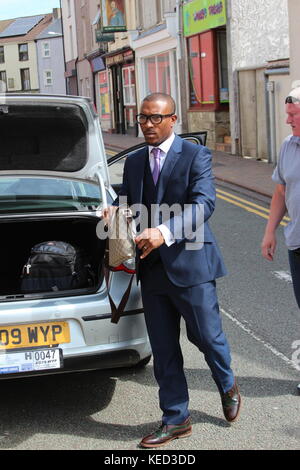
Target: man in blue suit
177,278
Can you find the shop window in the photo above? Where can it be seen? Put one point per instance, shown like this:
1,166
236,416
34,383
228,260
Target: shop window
208,69
128,74
104,95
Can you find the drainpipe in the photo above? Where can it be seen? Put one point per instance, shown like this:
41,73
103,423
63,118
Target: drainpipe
182,66
271,110
270,86
63,45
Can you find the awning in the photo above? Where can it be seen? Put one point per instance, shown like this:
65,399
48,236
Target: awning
97,64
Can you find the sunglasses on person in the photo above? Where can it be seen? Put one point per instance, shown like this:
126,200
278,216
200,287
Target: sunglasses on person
154,118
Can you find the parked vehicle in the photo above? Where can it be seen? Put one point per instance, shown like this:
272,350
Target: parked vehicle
54,181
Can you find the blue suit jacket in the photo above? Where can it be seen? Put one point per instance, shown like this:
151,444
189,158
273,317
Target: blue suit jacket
186,179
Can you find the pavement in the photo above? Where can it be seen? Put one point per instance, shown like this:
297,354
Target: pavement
247,173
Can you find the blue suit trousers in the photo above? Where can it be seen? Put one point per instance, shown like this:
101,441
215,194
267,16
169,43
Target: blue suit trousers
164,305
294,260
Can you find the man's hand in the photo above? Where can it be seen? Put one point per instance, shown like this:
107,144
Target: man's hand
148,240
277,211
268,246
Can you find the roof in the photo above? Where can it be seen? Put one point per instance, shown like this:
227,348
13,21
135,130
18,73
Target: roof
4,24
21,26
30,35
53,30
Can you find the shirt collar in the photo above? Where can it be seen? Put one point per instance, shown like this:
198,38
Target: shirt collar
295,139
165,145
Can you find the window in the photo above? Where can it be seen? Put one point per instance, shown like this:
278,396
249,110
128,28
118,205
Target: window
55,194
2,58
128,74
48,80
207,55
3,82
23,52
46,49
25,79
149,16
157,74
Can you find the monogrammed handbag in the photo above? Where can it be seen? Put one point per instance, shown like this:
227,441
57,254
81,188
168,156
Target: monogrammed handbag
121,237
120,247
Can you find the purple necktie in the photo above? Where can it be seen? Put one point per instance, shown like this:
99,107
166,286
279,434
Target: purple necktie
156,169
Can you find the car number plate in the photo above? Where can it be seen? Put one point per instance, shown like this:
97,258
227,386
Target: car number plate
30,360
33,335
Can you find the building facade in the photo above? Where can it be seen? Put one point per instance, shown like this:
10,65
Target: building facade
84,10
225,62
259,79
158,52
70,45
50,57
118,81
294,15
18,53
205,32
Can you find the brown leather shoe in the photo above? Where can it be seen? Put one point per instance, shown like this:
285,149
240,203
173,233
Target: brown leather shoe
166,433
231,403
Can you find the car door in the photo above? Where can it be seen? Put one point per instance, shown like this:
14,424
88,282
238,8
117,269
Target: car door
116,162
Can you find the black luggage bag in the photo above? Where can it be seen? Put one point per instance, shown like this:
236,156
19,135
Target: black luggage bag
55,266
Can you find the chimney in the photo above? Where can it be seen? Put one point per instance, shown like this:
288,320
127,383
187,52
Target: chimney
56,13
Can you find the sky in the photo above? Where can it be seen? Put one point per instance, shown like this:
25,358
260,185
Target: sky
16,8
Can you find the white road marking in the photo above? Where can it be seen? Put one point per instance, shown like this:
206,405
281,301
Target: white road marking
283,275
257,338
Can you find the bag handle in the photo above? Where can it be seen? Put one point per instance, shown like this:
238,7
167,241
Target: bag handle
116,312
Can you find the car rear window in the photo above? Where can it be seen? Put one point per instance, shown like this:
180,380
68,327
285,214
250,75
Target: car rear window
26,195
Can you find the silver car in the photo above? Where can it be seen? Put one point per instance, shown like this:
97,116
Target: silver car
54,181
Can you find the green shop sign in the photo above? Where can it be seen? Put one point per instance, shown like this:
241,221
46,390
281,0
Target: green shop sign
104,37
201,15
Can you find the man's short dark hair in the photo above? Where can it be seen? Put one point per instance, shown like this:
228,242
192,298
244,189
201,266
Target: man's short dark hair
162,97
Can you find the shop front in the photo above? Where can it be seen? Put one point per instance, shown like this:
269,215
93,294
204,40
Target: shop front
120,80
205,33
101,90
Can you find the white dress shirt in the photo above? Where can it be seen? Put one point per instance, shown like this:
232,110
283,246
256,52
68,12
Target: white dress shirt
164,148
